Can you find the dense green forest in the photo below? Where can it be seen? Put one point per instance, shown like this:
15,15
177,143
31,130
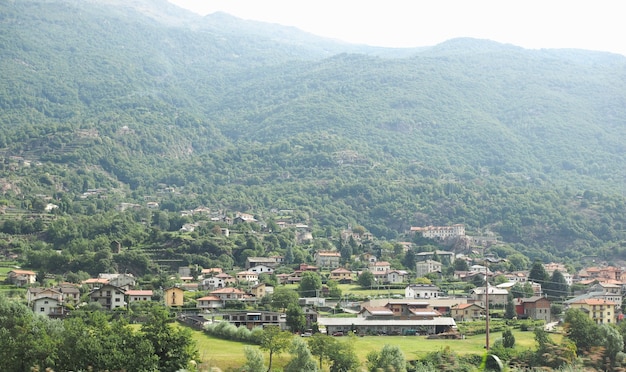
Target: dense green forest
149,102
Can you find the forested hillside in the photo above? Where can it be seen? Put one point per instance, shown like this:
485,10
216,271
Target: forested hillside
149,102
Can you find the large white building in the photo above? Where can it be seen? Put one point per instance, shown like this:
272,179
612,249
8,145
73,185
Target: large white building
440,232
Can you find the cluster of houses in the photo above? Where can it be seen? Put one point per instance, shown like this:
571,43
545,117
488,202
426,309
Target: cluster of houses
422,303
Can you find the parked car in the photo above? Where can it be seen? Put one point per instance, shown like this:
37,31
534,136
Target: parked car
338,333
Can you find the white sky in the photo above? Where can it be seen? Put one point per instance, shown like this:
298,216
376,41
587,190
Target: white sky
533,24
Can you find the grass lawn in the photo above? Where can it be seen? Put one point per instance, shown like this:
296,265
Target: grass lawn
224,354
215,352
416,347
3,272
356,290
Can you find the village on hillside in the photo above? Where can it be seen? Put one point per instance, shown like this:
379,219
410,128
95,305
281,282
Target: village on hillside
398,302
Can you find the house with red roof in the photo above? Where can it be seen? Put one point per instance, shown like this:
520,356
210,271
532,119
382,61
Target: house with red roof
208,303
599,310
21,278
228,294
464,312
134,295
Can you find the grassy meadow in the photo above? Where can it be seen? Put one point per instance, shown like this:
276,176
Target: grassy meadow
224,354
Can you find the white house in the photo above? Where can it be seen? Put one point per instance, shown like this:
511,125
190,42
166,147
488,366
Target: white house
260,269
247,276
219,281
422,291
111,297
48,305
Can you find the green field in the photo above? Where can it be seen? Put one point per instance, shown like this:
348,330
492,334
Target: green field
357,291
215,352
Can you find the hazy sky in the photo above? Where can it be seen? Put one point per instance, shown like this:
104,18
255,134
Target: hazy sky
533,24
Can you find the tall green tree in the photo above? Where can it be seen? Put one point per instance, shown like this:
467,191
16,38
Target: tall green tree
174,346
612,341
508,339
333,289
301,359
296,321
389,359
283,297
343,357
409,260
581,330
538,273
556,287
254,360
310,284
366,279
274,341
322,346
509,309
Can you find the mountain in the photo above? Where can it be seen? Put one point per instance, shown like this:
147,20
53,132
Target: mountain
141,96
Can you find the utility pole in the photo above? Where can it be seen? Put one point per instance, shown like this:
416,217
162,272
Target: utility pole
487,306
486,261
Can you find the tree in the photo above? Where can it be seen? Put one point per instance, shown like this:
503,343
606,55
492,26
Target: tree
343,358
174,346
549,354
612,341
508,339
478,280
274,341
517,262
296,321
461,265
509,310
517,291
528,290
409,260
389,359
282,297
254,360
321,346
556,287
310,284
302,359
26,340
333,289
538,273
366,279
580,329
289,255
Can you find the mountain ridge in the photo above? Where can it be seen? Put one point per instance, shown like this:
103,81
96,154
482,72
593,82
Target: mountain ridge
241,116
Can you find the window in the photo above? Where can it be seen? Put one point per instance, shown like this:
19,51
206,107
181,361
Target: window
42,309
117,299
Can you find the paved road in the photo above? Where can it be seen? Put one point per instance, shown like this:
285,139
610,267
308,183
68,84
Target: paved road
550,326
